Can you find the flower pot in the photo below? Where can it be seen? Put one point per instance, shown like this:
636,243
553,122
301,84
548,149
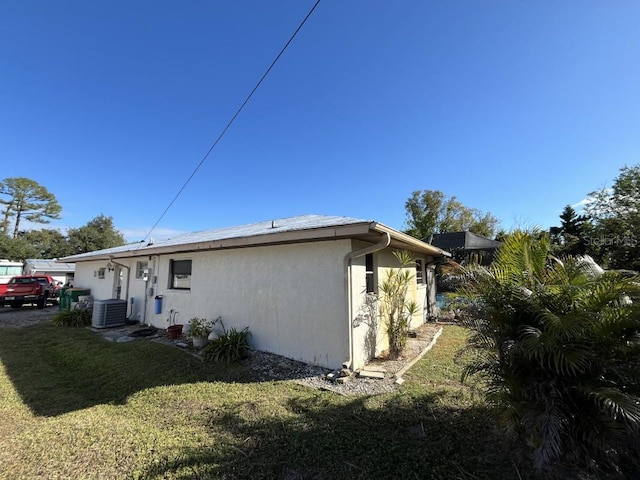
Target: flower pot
174,331
199,342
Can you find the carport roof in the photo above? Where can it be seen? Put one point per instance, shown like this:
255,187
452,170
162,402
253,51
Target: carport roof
305,228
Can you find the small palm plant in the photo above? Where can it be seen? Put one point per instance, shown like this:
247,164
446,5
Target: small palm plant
558,345
395,309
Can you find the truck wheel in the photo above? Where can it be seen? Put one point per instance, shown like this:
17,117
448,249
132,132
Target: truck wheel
42,302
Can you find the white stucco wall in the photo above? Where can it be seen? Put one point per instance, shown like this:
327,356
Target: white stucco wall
384,261
290,296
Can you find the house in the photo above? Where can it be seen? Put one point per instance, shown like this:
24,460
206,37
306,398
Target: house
300,284
467,247
61,272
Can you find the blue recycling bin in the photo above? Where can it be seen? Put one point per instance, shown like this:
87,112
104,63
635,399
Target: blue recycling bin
158,304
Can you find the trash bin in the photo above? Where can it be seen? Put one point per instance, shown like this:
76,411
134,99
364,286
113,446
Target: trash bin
71,295
62,299
158,304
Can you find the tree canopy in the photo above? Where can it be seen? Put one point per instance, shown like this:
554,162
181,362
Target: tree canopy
615,214
26,199
431,211
570,237
97,234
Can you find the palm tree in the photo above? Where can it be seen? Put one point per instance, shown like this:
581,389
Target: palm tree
558,344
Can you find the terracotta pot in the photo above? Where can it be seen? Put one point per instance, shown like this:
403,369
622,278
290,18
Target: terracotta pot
174,331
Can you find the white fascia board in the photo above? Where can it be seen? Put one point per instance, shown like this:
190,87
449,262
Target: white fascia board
413,244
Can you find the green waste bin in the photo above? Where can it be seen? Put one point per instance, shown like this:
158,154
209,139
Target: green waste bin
71,295
62,299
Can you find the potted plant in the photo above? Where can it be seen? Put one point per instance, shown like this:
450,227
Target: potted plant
174,329
200,329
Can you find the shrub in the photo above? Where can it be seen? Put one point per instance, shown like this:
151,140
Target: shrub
201,327
230,346
72,318
558,345
395,309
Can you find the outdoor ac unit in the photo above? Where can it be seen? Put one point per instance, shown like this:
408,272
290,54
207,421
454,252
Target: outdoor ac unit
109,313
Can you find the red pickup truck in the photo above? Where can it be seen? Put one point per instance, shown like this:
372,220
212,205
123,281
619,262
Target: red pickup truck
34,289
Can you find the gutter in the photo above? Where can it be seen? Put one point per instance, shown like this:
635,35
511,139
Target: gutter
384,243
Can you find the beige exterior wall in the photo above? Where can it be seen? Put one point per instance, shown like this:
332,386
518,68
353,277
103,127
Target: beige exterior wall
291,297
369,336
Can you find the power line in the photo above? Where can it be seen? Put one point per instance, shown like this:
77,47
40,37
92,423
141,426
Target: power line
233,118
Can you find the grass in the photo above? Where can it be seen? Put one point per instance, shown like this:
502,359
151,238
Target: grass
75,406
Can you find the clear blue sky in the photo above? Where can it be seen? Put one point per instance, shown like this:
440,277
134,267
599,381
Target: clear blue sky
515,107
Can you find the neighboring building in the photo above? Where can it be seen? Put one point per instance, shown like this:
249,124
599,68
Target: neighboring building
9,269
61,272
467,247
300,284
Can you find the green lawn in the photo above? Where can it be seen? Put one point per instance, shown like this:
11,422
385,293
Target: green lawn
75,406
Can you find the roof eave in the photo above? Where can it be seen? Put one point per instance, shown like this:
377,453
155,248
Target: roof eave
411,242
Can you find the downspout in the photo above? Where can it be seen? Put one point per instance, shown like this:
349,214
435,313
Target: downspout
126,295
384,243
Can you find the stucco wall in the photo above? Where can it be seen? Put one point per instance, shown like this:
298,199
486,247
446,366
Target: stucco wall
368,335
292,297
86,276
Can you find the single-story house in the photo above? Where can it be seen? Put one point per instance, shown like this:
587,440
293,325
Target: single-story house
467,247
302,285
60,271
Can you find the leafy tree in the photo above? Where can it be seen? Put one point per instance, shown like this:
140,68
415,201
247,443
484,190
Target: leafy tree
615,214
430,212
46,243
26,199
558,344
570,237
16,249
97,234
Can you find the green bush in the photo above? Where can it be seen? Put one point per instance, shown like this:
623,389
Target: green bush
558,345
72,318
230,346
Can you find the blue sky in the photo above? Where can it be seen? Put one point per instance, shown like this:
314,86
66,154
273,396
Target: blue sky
517,108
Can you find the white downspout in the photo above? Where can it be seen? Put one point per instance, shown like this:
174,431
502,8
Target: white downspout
384,243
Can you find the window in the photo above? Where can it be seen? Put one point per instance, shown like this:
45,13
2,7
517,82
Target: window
101,272
419,273
140,267
369,273
10,270
180,274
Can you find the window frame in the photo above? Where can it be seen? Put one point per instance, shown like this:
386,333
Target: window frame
369,273
420,274
141,265
182,271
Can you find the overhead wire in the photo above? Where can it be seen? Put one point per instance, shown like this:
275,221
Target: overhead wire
233,118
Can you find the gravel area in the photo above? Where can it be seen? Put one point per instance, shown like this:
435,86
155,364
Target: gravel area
25,316
267,366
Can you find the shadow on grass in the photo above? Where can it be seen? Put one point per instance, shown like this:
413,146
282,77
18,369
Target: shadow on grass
326,437
56,370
